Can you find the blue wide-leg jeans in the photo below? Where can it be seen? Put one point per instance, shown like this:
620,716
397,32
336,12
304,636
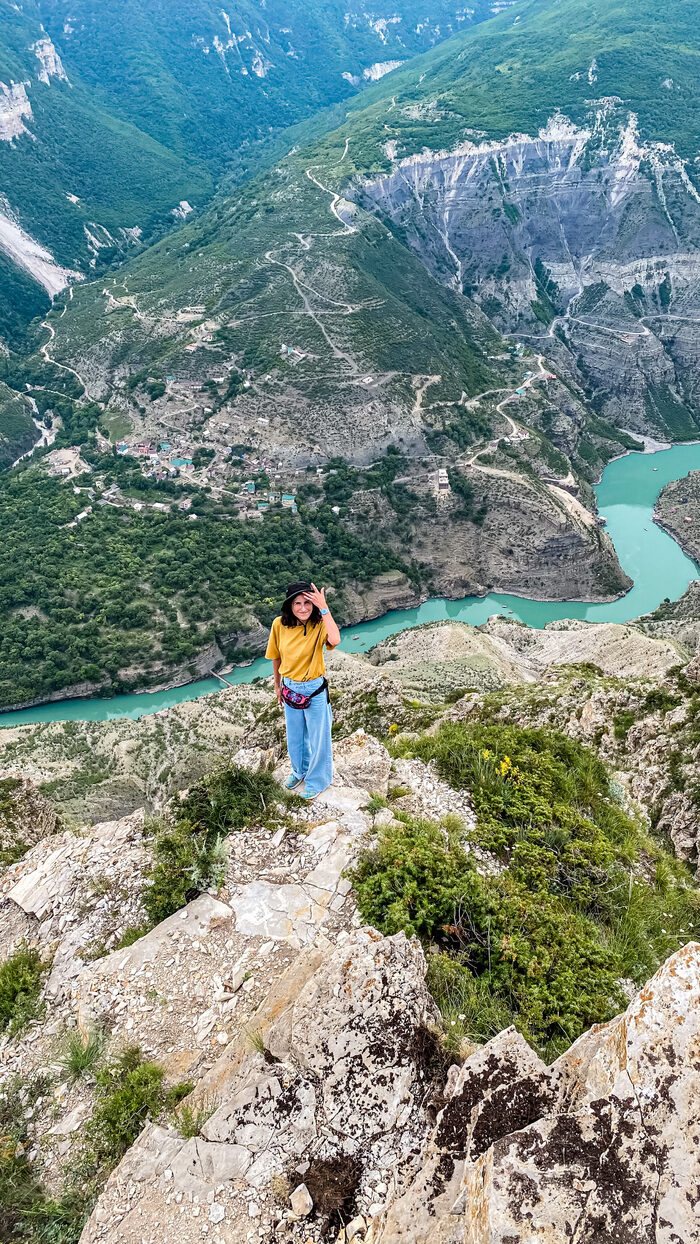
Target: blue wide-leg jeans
309,737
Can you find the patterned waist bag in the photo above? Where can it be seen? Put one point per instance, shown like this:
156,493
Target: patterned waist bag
297,699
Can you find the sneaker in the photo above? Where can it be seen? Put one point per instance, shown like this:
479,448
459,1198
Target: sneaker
309,795
292,782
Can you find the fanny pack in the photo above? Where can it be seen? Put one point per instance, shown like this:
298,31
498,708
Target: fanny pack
296,699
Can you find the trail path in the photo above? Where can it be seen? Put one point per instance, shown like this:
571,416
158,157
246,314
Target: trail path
304,290
335,200
44,350
424,382
308,310
127,301
421,389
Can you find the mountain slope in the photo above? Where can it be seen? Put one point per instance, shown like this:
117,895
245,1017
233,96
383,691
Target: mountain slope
112,116
539,57
75,178
582,235
343,314
204,78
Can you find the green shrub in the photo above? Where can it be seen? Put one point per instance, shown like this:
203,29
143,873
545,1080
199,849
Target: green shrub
131,934
20,987
660,699
26,1211
583,897
534,953
189,849
129,1092
190,1119
414,879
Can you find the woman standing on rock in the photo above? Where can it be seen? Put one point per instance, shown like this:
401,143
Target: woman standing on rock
295,647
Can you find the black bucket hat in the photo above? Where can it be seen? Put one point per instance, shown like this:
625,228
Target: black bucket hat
296,589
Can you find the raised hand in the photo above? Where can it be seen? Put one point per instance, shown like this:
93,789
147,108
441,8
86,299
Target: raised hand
317,598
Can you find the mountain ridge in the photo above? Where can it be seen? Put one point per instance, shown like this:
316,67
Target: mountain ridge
110,147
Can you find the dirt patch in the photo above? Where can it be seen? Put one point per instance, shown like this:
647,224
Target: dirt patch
332,1185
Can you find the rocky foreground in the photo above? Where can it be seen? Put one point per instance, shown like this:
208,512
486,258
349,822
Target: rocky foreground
320,1098
338,1111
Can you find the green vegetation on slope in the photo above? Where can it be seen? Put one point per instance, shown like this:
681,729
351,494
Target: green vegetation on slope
120,175
158,66
20,985
583,897
541,63
188,851
17,432
129,1092
160,97
22,300
149,589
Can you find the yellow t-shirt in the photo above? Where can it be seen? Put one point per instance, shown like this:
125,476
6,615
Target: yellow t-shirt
300,649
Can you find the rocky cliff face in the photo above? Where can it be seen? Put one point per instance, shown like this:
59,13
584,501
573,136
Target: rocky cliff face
581,237
15,109
678,511
595,1147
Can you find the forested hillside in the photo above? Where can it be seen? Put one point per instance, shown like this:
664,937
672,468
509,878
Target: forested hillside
205,78
116,121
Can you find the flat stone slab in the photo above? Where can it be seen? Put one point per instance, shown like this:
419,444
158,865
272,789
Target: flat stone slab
277,911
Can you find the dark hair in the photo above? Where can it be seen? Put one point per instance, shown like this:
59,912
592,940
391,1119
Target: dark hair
289,619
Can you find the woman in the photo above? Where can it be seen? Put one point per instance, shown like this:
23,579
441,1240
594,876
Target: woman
295,647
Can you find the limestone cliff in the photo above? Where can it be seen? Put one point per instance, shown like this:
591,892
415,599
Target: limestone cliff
582,238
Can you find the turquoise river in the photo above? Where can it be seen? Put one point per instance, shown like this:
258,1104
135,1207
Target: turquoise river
626,496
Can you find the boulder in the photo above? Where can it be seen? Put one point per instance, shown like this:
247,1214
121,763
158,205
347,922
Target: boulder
501,1084
619,1159
361,760
600,1148
679,819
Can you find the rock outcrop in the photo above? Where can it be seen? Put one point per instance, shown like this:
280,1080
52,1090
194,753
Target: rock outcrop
78,893
327,1128
309,1132
324,1106
15,109
602,1146
25,816
437,658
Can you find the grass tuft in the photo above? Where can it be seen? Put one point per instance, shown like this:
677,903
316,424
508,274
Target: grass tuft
257,1042
190,1119
79,1055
